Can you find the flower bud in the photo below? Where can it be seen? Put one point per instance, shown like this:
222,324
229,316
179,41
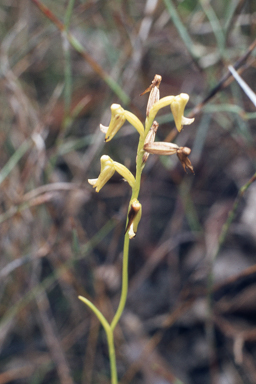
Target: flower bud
134,217
177,108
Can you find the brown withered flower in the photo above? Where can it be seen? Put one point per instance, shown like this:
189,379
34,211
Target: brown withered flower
164,148
183,153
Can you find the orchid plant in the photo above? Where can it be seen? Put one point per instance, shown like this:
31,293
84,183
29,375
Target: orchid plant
146,146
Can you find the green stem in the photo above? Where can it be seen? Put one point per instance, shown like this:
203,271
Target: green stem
110,337
112,356
124,290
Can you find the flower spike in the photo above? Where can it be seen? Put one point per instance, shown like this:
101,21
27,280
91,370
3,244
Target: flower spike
107,170
177,108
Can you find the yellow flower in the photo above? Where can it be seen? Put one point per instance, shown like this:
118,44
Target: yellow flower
177,104
107,170
118,118
177,108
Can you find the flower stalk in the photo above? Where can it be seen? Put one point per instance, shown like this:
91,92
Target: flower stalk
146,146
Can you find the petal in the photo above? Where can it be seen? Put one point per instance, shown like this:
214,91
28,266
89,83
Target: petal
92,181
186,121
103,128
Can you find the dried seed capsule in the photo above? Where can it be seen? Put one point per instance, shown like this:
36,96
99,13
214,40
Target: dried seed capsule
150,139
154,92
161,148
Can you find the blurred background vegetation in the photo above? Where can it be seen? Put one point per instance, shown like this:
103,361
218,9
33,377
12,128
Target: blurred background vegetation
191,310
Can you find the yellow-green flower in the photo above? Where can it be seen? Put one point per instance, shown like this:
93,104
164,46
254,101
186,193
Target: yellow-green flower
118,118
107,170
177,108
177,104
